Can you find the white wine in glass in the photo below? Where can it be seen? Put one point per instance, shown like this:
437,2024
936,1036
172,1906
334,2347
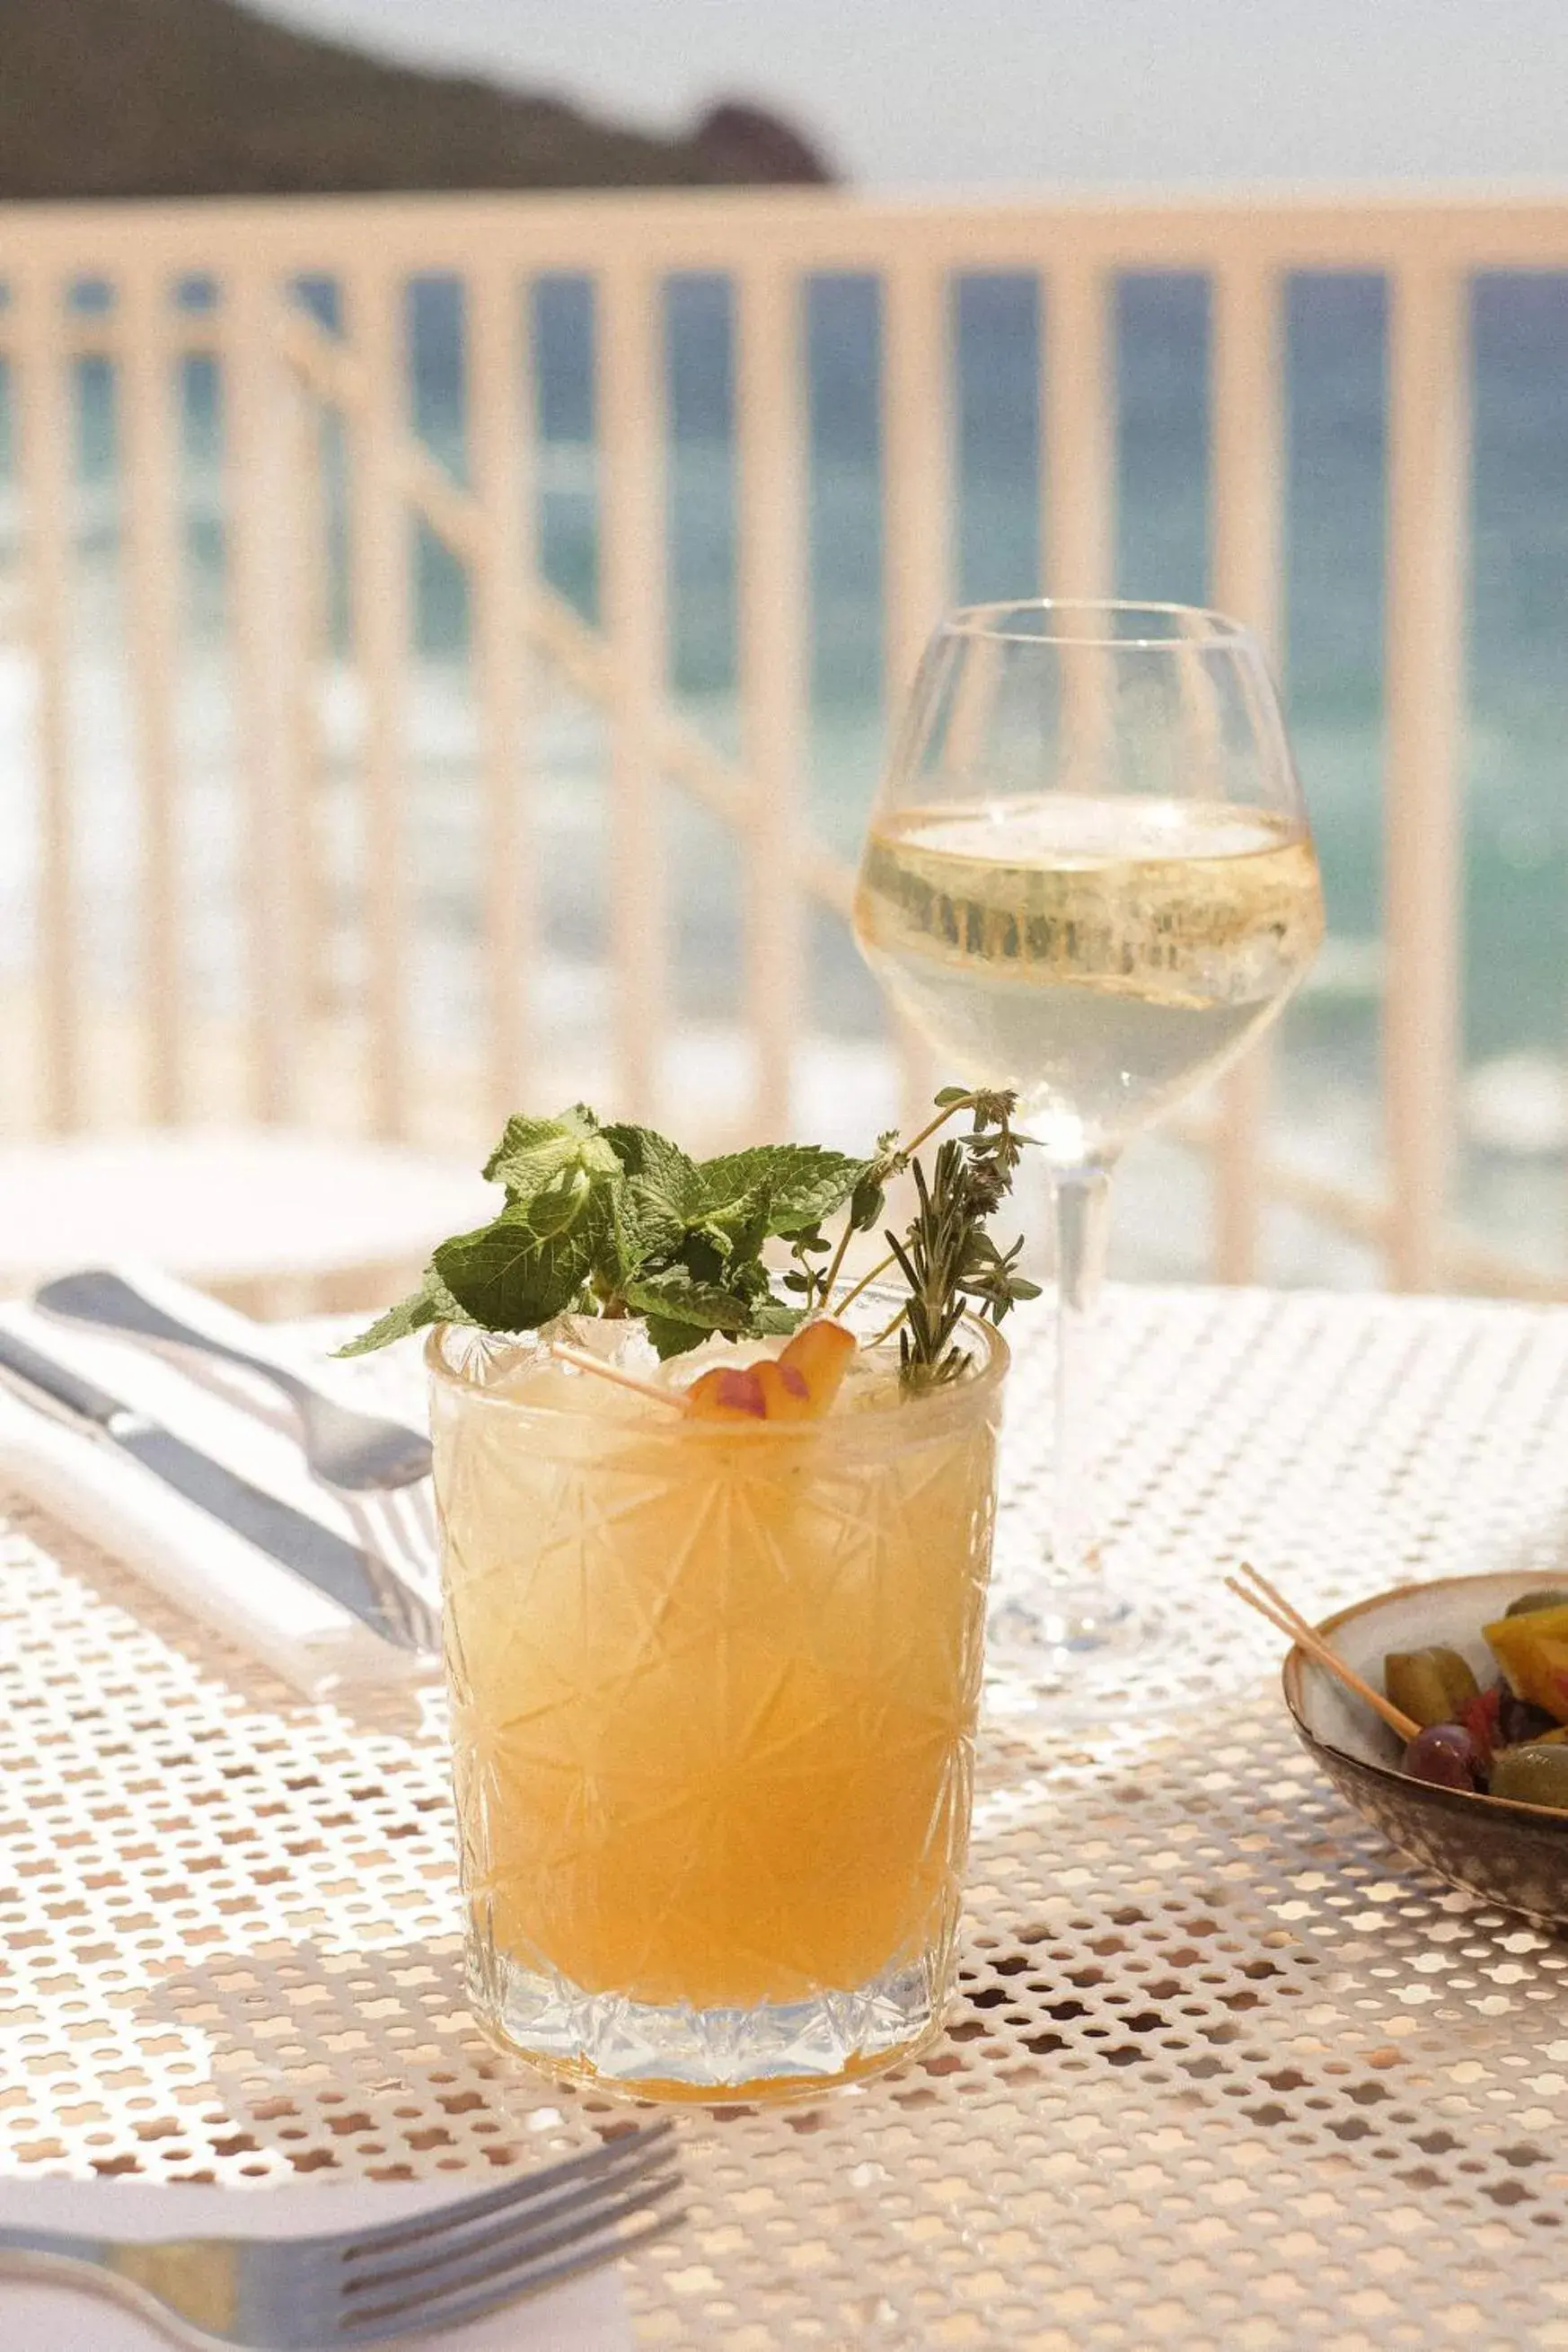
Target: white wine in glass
1089,877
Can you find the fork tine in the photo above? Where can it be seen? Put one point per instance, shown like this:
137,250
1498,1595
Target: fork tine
626,2154
403,1521
418,1567
371,1523
459,2258
406,1583
417,1512
422,1501
404,1608
496,2296
580,2244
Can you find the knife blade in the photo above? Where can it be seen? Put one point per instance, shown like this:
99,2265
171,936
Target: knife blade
355,1580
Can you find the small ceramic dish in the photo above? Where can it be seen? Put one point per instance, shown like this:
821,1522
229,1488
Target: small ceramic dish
1510,1854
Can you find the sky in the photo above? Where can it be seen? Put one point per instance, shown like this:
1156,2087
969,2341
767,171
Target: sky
954,93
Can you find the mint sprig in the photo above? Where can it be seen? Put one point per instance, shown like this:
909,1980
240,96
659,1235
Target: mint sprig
616,1220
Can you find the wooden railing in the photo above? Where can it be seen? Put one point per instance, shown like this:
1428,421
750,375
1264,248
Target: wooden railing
282,368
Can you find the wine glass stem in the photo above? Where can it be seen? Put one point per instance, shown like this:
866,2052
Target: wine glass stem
1082,1198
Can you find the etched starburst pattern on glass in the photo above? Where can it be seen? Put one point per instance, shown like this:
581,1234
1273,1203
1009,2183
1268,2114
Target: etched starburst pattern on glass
714,1699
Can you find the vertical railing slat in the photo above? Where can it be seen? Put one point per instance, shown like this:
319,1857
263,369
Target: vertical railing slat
1078,485
1078,409
917,466
917,505
1429,478
44,408
631,414
155,562
265,453
380,596
500,410
310,626
1245,553
775,689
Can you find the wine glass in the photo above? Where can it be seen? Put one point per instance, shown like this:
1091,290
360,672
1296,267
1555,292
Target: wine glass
1089,877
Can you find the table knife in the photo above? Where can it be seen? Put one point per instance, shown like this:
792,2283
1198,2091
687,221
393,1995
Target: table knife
355,1580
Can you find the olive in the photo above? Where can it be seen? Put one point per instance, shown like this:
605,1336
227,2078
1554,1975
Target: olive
1445,1755
1429,1686
1532,1775
1520,1719
1552,1598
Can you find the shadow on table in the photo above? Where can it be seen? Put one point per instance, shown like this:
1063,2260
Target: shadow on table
361,2063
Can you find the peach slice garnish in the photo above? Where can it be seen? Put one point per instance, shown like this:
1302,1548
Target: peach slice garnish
728,1393
785,1390
820,1352
799,1384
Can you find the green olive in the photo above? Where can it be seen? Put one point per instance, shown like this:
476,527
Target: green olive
1534,1774
1552,1598
1431,1686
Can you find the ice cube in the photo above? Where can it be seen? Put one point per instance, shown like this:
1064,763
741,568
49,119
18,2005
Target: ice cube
870,1379
524,1370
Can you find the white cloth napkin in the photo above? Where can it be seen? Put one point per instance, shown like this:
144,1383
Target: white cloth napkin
217,1575
584,2314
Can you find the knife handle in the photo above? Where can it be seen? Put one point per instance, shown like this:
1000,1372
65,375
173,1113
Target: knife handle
57,1380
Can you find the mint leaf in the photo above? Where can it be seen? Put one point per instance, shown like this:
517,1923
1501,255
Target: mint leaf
564,1201
643,1151
431,1303
409,1315
681,1313
635,1236
867,1202
748,1279
771,1315
511,1278
659,1200
652,1229
675,1296
535,1153
672,1338
796,1184
734,1233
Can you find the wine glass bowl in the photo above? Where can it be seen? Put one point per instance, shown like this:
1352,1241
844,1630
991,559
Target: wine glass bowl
1089,877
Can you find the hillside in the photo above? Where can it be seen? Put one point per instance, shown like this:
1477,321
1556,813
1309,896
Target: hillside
181,98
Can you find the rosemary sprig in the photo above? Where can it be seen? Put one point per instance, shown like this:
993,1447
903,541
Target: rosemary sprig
946,1256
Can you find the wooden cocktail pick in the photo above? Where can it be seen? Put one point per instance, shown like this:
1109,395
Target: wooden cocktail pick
1272,1604
581,1360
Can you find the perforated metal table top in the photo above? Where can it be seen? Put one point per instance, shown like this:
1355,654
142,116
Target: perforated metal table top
1224,2069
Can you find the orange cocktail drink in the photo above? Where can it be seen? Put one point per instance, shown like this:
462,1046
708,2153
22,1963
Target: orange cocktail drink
714,1686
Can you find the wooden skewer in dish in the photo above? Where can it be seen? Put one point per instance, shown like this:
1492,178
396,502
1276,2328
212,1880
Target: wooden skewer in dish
1272,1604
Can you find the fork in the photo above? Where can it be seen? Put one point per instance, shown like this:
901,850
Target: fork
358,1452
429,2271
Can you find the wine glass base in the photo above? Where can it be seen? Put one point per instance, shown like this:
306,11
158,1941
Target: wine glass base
1071,1648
